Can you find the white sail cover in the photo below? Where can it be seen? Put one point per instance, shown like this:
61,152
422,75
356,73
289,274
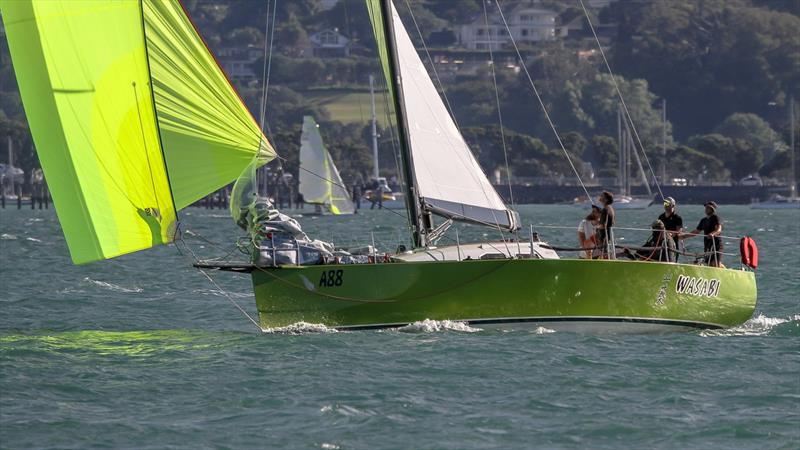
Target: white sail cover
320,182
448,176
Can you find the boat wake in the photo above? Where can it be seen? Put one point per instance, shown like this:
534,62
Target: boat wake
300,328
112,286
437,326
543,330
759,326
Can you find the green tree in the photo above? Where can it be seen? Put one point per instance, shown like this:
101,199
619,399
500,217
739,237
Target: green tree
604,155
244,37
574,143
692,164
740,157
457,11
704,55
752,129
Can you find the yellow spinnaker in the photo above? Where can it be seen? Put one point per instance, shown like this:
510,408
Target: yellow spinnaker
131,117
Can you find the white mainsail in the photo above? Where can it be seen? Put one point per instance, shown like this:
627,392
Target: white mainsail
448,177
320,182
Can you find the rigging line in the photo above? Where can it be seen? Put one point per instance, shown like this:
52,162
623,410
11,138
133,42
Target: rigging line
268,271
269,62
228,296
469,163
84,132
541,102
219,288
281,159
151,88
499,112
144,144
433,66
621,99
262,109
502,128
392,139
395,150
446,100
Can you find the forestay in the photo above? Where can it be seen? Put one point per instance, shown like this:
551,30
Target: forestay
131,117
448,178
320,182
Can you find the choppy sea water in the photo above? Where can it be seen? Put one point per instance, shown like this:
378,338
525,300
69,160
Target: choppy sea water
144,352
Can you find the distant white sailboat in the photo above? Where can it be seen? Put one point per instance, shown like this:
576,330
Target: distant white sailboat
320,182
623,199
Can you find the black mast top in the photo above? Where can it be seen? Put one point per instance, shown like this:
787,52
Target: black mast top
406,160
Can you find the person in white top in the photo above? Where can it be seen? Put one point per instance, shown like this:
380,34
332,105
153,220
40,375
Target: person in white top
586,232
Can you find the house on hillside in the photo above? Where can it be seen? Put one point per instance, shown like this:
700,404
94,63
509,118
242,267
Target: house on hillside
526,22
329,43
238,63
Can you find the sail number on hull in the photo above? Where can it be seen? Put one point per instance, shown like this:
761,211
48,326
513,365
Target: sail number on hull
331,278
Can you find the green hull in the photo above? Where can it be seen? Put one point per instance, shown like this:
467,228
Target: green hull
492,292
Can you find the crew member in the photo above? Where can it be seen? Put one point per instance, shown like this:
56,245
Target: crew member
605,235
587,230
659,247
672,221
711,227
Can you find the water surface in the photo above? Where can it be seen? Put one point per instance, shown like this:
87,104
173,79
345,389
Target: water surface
144,352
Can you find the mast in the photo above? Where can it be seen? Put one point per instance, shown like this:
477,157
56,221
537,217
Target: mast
412,199
10,171
620,158
375,173
632,148
792,157
663,140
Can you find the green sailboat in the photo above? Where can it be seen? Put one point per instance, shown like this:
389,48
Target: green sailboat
505,284
133,120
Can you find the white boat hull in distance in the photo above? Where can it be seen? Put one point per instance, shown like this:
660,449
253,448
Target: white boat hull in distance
622,202
778,203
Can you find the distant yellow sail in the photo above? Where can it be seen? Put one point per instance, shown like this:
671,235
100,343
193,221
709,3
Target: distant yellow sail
131,116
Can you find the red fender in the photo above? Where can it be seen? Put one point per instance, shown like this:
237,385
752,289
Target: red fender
749,251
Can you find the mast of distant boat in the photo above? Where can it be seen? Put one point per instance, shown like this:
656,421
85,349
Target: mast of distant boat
10,170
792,157
375,172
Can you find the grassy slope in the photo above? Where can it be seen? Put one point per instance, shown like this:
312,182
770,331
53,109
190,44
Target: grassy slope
348,106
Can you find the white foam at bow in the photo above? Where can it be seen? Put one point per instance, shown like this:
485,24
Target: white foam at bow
301,327
755,326
435,326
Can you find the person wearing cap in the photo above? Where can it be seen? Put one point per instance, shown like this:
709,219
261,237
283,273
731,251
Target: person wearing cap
605,236
587,230
658,247
672,221
711,227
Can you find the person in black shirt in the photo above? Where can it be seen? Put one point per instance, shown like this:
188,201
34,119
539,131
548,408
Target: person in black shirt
672,221
711,227
605,236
